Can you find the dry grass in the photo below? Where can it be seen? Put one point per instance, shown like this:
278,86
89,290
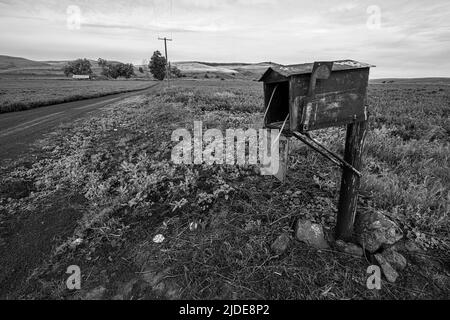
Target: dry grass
120,163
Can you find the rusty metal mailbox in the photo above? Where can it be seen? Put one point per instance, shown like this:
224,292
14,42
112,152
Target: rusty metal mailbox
315,95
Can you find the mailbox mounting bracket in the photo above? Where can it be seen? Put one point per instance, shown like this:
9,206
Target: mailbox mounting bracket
324,151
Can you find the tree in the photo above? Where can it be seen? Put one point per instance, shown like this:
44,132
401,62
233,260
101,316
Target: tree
175,72
102,62
126,70
78,67
116,70
158,65
141,70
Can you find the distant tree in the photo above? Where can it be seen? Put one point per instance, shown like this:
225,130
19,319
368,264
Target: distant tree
116,70
127,70
175,72
102,62
78,67
158,65
67,70
141,70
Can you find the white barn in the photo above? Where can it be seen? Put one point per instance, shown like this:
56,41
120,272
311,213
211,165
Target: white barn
81,77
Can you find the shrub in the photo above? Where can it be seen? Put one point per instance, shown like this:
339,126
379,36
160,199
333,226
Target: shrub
175,72
78,67
116,70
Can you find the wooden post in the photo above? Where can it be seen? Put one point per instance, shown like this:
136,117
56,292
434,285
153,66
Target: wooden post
354,145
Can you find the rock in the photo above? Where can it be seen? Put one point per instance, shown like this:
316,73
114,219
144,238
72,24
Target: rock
349,248
281,244
395,259
388,271
407,247
412,247
311,233
374,230
159,238
96,294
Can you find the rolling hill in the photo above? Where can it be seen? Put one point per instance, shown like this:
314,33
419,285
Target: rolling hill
223,70
8,63
440,81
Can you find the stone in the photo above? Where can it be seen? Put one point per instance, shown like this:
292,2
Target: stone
311,233
407,247
96,294
349,248
388,271
395,259
412,247
281,244
374,230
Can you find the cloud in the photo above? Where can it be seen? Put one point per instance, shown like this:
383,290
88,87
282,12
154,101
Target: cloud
413,33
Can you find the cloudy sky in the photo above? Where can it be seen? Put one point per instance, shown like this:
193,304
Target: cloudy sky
403,38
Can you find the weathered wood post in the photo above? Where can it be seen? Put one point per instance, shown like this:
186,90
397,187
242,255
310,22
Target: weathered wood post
354,145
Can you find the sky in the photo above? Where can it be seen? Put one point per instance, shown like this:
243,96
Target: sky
402,38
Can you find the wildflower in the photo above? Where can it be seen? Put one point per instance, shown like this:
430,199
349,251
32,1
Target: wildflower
159,238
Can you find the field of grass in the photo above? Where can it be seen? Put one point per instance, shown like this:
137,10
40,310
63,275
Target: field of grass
17,94
113,173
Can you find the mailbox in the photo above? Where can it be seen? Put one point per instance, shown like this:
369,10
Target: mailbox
318,95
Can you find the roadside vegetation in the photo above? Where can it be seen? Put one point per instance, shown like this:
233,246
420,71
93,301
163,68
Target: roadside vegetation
113,173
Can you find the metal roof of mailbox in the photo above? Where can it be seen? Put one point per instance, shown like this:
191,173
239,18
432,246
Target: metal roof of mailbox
306,68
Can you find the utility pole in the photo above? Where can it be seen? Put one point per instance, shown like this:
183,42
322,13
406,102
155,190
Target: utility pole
167,59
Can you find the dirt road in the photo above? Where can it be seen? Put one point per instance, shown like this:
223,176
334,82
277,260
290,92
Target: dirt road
20,129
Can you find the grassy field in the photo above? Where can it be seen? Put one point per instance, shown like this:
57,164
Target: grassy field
106,187
18,94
